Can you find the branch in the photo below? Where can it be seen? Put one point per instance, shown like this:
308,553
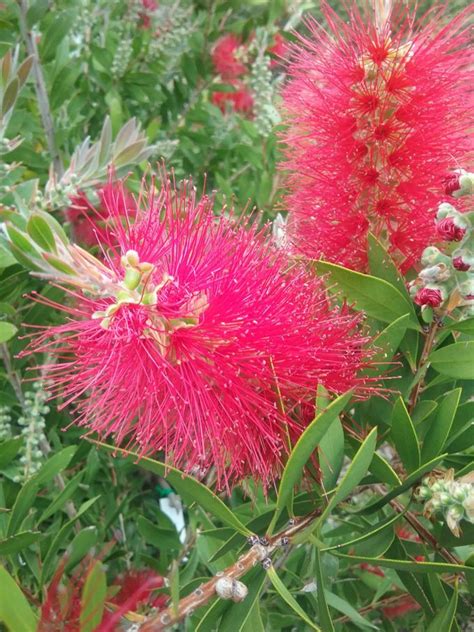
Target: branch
40,88
261,552
423,365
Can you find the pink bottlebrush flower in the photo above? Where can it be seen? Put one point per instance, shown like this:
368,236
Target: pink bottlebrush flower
240,99
460,264
429,296
448,230
202,340
225,59
376,117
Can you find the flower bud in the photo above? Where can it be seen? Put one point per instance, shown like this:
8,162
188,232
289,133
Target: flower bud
445,209
466,185
450,229
460,264
429,296
435,274
432,256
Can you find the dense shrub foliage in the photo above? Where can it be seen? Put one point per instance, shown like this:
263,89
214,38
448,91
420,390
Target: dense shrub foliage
236,316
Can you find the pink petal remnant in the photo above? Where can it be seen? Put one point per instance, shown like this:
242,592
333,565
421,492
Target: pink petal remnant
376,118
208,344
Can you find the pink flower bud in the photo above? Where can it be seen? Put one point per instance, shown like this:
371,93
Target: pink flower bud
429,296
460,264
449,230
452,183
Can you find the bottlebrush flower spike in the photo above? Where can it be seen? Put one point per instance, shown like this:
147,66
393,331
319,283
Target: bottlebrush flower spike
202,339
240,99
377,115
225,59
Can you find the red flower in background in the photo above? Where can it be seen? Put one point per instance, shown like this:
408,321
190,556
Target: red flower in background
225,59
279,48
89,222
240,99
376,118
203,340
149,6
405,604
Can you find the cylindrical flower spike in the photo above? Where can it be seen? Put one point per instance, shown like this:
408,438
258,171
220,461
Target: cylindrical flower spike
210,351
377,115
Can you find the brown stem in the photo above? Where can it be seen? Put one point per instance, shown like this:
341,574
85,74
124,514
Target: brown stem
424,534
259,553
40,88
423,365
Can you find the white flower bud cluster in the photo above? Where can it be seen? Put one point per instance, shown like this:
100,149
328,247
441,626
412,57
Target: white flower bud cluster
122,56
33,424
5,423
171,39
453,499
263,90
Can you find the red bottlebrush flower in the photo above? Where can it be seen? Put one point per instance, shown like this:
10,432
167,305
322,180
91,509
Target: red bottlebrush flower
149,6
201,339
428,296
88,221
448,230
224,57
405,604
376,117
375,570
240,99
279,48
405,534
460,264
136,588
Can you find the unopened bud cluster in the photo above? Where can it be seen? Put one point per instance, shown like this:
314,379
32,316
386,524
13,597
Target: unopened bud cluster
5,423
452,499
263,86
447,279
33,424
171,39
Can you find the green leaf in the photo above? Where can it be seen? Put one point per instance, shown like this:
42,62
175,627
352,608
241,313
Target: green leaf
39,230
343,606
466,326
382,526
162,539
7,331
404,436
58,264
456,360
446,616
27,494
208,622
408,482
423,409
388,341
323,610
403,565
21,241
355,473
439,429
383,470
331,454
285,594
8,450
382,266
62,497
93,598
15,611
10,95
375,297
81,545
237,617
187,487
17,542
60,537
303,449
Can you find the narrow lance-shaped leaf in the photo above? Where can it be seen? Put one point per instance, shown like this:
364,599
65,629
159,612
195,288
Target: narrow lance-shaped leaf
404,436
439,429
303,449
187,487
